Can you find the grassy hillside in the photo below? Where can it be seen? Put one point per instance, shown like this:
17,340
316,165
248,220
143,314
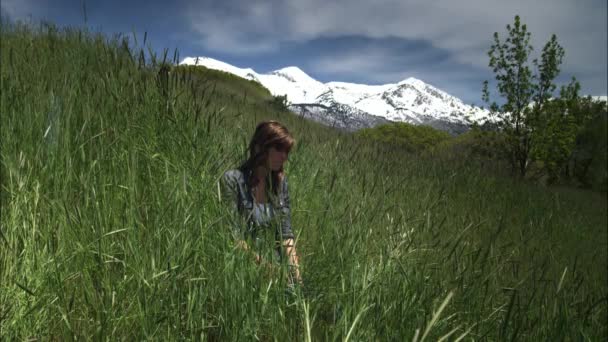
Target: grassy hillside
111,226
221,84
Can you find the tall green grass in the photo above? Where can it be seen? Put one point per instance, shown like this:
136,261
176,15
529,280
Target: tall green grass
112,227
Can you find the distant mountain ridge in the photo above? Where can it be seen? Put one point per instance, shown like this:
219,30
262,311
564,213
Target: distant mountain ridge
353,106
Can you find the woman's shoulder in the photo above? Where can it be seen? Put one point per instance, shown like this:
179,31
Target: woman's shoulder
284,185
234,173
234,176
284,179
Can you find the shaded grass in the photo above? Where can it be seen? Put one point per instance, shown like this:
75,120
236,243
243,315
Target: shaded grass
112,227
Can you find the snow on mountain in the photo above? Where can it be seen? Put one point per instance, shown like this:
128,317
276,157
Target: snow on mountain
602,98
410,100
211,63
293,82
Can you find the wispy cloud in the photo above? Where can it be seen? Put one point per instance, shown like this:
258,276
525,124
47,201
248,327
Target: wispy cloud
239,28
461,28
358,63
442,42
382,65
18,9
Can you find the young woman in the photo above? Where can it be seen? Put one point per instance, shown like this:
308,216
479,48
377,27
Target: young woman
258,192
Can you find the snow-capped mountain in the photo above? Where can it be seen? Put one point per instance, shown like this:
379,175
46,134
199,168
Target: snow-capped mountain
352,106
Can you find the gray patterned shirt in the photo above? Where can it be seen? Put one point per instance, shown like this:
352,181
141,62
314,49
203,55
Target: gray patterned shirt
274,218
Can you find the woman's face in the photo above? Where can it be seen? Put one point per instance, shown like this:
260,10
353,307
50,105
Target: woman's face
276,158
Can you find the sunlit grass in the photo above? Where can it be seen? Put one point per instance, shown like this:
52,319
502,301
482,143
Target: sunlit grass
112,228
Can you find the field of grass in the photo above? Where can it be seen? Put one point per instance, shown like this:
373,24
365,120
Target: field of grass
112,229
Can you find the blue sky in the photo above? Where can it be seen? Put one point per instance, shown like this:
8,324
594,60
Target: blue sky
442,42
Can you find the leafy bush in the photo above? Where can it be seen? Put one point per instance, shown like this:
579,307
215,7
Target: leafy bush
589,162
479,143
410,138
279,102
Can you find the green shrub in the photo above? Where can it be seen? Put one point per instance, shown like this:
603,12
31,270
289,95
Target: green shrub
589,161
408,137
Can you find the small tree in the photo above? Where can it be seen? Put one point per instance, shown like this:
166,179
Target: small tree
557,123
525,109
279,102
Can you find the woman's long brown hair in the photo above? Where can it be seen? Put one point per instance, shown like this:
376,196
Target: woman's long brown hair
267,134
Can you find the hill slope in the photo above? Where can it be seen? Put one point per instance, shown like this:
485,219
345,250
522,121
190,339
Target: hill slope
112,227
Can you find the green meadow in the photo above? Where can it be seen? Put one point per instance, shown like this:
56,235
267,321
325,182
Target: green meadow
112,227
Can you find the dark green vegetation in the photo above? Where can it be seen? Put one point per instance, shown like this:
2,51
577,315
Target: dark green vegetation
539,126
224,83
112,228
537,134
566,153
406,136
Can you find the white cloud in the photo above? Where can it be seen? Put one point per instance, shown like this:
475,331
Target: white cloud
246,28
382,65
17,9
363,62
462,28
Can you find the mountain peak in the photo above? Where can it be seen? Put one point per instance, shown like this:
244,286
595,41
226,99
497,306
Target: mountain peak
293,73
410,100
291,69
414,82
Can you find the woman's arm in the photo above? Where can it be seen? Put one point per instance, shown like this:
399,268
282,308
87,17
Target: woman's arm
229,197
287,235
244,246
292,257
